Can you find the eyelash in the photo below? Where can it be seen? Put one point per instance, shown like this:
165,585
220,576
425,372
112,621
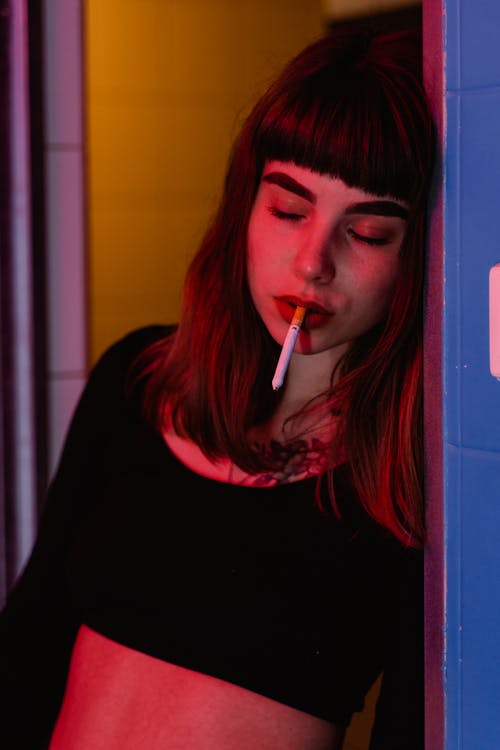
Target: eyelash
367,240
284,215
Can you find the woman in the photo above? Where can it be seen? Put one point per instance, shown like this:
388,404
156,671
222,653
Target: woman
222,563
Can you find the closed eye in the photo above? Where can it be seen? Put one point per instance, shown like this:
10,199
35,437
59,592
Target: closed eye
367,239
285,215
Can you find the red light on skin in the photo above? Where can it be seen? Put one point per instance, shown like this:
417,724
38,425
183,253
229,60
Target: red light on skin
314,319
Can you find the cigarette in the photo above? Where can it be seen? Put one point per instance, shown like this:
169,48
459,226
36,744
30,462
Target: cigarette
287,349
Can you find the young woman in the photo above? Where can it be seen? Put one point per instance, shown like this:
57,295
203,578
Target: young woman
224,562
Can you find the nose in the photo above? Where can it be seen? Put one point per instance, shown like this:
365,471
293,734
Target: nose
314,261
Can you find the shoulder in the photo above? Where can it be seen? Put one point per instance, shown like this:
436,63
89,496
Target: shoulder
107,382
127,348
116,362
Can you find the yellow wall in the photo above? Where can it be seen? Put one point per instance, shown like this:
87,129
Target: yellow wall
341,9
168,82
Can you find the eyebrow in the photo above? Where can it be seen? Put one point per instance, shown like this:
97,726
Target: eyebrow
378,208
373,208
288,183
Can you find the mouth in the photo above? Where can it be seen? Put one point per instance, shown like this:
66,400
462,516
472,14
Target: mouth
311,305
316,315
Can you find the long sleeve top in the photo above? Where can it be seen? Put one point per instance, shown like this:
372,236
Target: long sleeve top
254,585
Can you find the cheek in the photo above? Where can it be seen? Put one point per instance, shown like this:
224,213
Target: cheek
259,235
380,283
254,240
263,257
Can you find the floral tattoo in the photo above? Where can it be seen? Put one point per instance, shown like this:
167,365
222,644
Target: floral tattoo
293,460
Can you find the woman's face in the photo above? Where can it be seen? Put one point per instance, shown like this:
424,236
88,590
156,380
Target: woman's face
316,242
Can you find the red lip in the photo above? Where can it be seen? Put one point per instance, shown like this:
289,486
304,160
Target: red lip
312,305
316,315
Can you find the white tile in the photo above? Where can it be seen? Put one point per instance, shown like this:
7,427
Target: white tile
63,63
66,263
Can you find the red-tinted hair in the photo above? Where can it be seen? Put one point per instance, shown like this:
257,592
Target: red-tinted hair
350,105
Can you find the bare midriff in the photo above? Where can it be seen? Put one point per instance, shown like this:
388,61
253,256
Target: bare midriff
121,699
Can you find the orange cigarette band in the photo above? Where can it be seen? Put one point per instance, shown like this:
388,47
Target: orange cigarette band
298,316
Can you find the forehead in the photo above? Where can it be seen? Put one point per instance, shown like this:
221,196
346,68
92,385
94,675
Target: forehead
317,187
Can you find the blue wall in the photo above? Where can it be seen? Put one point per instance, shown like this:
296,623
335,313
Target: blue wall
471,396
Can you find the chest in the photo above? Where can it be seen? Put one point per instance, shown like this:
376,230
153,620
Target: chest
163,540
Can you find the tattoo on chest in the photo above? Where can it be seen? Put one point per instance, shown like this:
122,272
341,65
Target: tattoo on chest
297,459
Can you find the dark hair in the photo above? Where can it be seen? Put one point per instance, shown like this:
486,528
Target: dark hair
350,105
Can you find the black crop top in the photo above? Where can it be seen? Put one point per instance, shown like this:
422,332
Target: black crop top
255,586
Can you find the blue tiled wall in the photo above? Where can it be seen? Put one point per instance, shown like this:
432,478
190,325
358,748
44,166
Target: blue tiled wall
471,394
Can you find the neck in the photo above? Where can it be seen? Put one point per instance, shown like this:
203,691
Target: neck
310,375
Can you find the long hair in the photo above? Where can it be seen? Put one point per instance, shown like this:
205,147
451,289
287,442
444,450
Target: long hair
351,106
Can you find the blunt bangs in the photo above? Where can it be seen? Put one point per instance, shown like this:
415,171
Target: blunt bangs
355,127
